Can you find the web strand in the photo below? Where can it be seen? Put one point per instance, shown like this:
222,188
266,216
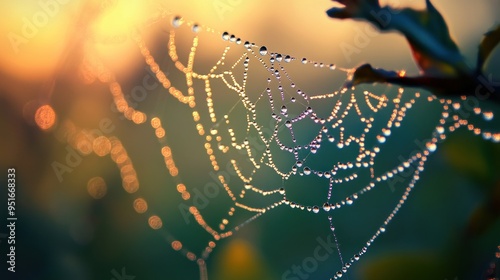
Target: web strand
291,110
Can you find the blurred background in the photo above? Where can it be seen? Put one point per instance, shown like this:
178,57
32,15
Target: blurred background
79,222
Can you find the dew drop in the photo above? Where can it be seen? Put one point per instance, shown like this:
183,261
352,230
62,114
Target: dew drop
299,163
288,58
263,50
232,38
248,186
279,57
307,170
431,147
381,139
326,207
282,191
488,116
304,60
315,209
333,67
349,201
288,124
195,28
386,131
247,45
284,109
225,36
177,21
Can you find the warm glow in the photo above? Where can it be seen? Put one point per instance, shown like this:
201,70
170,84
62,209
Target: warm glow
45,117
140,205
155,222
96,187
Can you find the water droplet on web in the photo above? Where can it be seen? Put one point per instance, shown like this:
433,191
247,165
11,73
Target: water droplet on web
279,57
488,116
326,207
232,38
288,58
263,50
356,257
304,60
238,41
282,191
248,186
299,163
307,171
440,129
431,147
381,139
225,36
195,28
333,66
247,45
177,21
288,124
315,209
386,131
284,109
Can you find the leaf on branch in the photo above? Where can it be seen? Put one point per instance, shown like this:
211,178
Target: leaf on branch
490,40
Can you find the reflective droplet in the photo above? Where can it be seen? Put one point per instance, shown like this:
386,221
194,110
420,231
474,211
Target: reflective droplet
307,171
247,45
326,207
263,50
232,38
315,209
282,191
177,21
288,58
431,147
279,57
349,201
225,36
248,186
288,124
304,60
195,28
488,116
299,163
333,66
284,109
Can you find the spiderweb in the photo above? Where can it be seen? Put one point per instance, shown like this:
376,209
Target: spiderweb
271,138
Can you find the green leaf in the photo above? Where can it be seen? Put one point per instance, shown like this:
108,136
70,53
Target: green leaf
489,42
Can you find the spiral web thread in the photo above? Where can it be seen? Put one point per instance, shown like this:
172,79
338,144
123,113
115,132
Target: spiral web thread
220,137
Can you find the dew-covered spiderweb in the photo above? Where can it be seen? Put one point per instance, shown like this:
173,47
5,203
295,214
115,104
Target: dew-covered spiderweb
271,137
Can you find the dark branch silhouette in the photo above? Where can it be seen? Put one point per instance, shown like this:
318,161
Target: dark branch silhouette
443,68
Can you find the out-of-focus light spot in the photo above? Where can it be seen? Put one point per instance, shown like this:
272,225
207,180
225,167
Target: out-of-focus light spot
140,205
101,146
155,222
97,188
176,245
45,117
